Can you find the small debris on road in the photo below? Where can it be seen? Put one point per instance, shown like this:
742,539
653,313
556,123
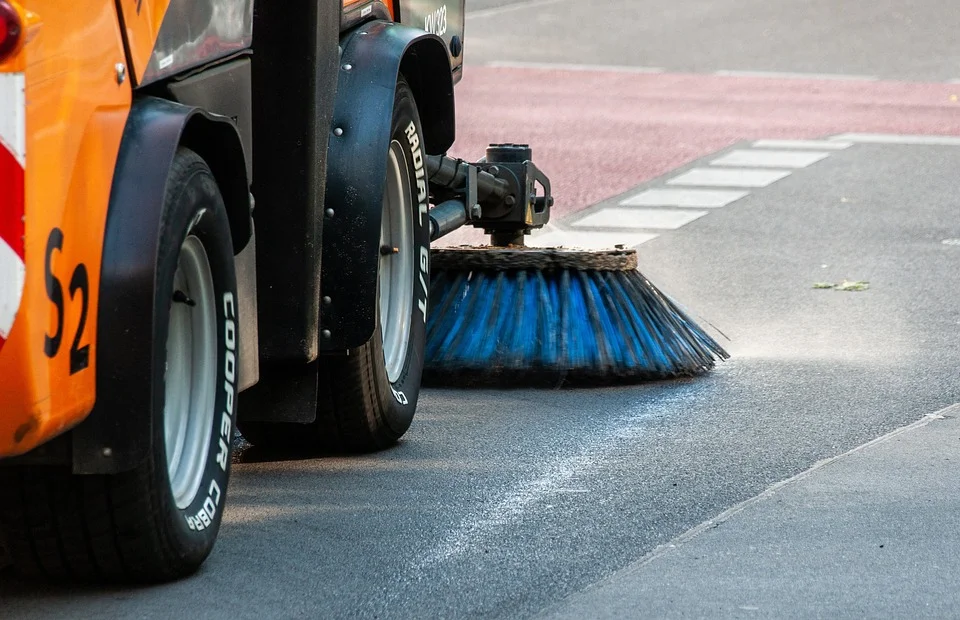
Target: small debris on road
846,285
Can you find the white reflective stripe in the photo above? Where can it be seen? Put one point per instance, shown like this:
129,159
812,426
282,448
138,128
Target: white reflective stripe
13,119
12,277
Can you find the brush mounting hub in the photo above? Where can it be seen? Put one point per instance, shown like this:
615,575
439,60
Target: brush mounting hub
505,194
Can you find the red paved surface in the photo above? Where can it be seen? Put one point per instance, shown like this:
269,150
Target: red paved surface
599,134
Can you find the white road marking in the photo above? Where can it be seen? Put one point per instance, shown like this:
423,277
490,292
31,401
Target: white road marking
769,161
589,240
555,477
559,66
667,197
762,158
729,177
795,76
511,508
824,145
628,217
497,10
882,138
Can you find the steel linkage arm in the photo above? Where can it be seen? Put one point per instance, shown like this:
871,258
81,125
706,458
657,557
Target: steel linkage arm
498,194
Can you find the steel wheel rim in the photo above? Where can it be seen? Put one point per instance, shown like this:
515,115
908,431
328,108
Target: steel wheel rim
191,372
396,263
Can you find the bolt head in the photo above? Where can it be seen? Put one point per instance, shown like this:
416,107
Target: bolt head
456,46
121,71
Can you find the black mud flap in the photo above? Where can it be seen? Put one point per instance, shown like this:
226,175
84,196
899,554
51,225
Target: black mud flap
116,435
373,57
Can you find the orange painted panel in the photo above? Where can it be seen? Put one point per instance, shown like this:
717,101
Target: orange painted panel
349,4
75,112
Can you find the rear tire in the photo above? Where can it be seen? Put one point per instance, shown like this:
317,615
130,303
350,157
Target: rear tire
159,521
368,397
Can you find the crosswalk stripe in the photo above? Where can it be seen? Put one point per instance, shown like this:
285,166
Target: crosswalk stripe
631,217
729,177
668,197
760,158
821,145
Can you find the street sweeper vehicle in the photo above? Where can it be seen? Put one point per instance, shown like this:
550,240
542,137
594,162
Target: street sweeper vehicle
217,215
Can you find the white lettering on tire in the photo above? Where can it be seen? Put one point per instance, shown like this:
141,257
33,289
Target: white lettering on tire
205,516
413,138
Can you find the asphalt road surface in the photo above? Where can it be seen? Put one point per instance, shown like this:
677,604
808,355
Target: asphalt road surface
518,502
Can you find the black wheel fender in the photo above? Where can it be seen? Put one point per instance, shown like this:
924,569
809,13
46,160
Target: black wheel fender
116,435
373,57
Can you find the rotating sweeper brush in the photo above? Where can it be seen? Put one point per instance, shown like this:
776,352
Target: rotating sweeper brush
508,314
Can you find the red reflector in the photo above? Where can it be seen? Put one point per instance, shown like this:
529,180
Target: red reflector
10,30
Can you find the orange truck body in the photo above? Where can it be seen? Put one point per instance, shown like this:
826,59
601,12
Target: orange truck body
69,89
75,109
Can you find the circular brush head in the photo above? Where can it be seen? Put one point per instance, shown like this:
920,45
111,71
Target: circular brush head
523,316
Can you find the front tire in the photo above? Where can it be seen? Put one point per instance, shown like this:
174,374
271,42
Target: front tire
159,521
367,398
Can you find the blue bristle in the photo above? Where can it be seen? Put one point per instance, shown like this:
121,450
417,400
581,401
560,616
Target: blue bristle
561,323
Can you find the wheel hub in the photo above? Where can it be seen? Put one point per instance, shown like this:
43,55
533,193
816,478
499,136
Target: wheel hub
396,281
191,372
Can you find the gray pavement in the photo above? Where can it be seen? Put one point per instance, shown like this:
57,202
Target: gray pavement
867,534
885,38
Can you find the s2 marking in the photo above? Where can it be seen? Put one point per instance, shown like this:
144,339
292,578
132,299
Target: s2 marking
79,283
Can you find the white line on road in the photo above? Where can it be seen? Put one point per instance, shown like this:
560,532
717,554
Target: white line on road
794,76
762,158
497,10
556,477
630,217
825,145
883,138
559,66
667,197
729,177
